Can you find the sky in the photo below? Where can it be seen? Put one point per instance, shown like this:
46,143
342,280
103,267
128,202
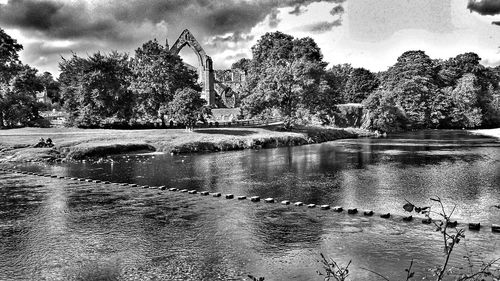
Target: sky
364,33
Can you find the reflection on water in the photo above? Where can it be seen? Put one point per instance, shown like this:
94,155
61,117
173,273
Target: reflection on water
60,230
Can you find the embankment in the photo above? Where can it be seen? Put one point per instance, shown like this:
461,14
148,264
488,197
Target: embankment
76,144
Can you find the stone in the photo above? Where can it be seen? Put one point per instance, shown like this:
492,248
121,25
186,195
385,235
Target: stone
192,192
427,221
452,224
311,206
97,181
255,198
229,196
298,204
474,226
242,197
495,228
338,209
325,207
204,193
107,182
217,194
162,187
385,216
88,180
184,190
285,202
368,213
173,189
134,185
352,211
269,200
408,218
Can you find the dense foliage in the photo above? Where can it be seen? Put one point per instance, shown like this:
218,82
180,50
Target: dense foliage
418,92
187,107
19,85
284,75
96,88
157,75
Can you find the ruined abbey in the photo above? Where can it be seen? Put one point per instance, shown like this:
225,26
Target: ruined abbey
220,87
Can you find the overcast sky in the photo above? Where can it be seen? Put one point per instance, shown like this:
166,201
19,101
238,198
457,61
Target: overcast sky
364,33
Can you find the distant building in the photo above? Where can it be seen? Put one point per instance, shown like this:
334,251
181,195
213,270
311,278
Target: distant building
42,97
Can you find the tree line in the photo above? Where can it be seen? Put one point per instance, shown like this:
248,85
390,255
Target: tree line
286,77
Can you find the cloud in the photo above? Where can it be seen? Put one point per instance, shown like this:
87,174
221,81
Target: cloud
484,7
495,22
127,24
297,10
337,10
321,27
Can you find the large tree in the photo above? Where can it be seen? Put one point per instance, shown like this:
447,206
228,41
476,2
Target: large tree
96,88
359,85
157,75
285,74
9,57
187,107
18,98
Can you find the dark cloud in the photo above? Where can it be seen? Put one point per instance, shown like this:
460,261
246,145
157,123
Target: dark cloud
323,26
122,24
297,10
484,7
337,10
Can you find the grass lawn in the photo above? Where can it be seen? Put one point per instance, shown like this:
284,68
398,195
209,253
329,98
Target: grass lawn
74,143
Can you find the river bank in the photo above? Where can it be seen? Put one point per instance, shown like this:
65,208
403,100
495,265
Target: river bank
16,145
487,132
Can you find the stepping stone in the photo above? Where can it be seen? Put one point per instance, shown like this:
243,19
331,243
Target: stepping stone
145,186
242,197
229,196
325,207
427,221
162,187
61,177
217,194
452,224
97,181
385,216
474,226
134,185
368,213
173,189
298,204
184,190
53,176
192,192
352,211
495,228
153,187
408,218
81,179
107,182
124,184
311,206
338,209
204,193
285,202
269,200
255,198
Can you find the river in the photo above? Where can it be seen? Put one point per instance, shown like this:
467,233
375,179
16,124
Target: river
59,230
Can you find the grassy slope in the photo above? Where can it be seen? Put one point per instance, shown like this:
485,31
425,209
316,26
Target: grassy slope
80,143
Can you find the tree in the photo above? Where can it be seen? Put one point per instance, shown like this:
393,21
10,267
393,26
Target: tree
285,74
187,107
18,98
96,88
9,57
157,75
359,85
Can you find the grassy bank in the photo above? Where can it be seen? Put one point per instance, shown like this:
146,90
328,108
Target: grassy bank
73,143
